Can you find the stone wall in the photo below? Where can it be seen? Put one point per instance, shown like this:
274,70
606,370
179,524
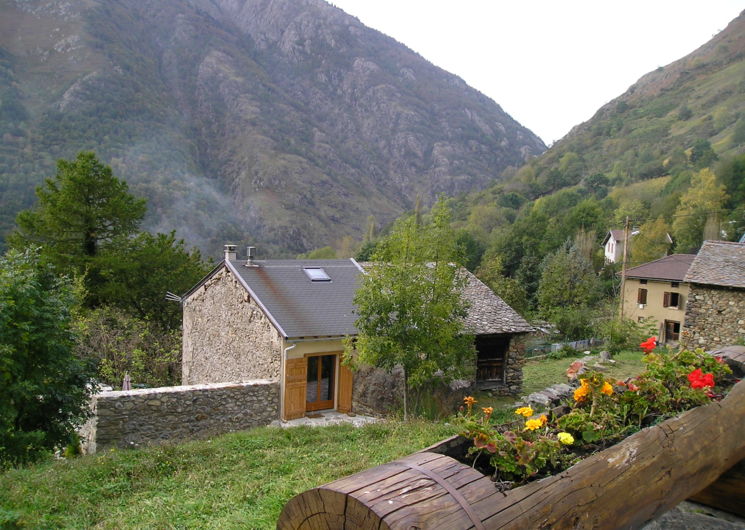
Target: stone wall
715,316
227,337
135,418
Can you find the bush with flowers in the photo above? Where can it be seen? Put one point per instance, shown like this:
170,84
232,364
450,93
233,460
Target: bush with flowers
601,412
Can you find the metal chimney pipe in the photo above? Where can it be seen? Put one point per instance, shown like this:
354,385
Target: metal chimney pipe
230,254
251,251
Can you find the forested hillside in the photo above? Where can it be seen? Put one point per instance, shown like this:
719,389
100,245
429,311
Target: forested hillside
282,123
667,155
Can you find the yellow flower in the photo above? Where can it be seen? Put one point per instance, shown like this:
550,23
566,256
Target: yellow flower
532,425
524,411
607,389
565,438
581,393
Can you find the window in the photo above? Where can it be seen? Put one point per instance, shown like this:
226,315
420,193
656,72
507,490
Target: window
316,274
641,296
643,282
672,330
671,300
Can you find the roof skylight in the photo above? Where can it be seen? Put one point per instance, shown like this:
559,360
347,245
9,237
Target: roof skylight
316,274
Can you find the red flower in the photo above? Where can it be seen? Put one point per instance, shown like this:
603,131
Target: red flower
632,387
699,379
648,345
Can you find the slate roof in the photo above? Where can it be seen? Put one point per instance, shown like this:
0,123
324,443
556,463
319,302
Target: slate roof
670,268
616,234
719,263
487,313
299,307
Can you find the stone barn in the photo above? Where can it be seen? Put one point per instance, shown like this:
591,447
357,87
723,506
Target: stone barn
715,313
285,320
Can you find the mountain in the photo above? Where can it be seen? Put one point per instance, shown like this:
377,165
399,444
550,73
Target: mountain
668,155
648,131
279,122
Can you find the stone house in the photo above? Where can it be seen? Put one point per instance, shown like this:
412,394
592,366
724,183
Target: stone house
285,320
656,293
715,313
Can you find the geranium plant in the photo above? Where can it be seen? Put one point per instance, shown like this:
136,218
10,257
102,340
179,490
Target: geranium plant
601,412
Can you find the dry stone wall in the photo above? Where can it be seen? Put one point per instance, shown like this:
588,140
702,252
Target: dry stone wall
135,418
227,337
715,316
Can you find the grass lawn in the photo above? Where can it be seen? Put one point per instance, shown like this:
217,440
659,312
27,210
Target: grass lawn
239,480
543,373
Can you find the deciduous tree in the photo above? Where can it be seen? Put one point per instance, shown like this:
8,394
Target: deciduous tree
410,307
44,387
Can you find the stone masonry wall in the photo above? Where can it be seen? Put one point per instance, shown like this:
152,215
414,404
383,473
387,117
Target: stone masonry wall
135,418
227,337
715,316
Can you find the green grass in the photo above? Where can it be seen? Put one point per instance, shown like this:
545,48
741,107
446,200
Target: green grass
543,373
239,480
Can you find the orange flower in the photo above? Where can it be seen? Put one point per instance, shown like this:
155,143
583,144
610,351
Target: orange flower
487,411
607,389
469,400
581,393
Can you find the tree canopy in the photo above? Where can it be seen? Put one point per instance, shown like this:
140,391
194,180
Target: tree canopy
44,386
409,303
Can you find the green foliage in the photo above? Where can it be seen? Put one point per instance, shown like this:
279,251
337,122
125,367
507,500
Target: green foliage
567,281
701,203
123,344
651,242
319,253
702,154
44,386
79,213
623,334
491,272
409,304
137,271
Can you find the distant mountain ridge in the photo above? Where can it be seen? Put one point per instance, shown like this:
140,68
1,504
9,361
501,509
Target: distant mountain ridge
644,132
280,122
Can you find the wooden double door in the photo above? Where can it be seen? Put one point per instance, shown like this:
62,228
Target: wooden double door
316,382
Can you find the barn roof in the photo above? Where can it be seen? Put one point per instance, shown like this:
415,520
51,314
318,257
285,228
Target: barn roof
719,263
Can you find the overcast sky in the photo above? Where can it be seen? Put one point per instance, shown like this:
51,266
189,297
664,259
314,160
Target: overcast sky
550,64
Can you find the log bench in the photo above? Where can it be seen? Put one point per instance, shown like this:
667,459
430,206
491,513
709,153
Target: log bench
623,486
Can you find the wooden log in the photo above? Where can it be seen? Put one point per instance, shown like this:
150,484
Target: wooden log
623,486
727,493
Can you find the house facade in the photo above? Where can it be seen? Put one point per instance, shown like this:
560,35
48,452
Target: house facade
285,320
715,314
656,293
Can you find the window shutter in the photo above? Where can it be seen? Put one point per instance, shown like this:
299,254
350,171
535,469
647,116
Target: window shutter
666,300
641,296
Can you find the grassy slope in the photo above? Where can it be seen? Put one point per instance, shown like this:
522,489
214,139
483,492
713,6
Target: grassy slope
239,480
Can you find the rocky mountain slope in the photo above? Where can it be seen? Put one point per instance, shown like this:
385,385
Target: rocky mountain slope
649,130
280,122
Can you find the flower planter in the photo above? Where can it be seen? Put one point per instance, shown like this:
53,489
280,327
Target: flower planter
623,486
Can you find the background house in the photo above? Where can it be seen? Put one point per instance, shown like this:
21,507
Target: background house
715,313
656,293
285,320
